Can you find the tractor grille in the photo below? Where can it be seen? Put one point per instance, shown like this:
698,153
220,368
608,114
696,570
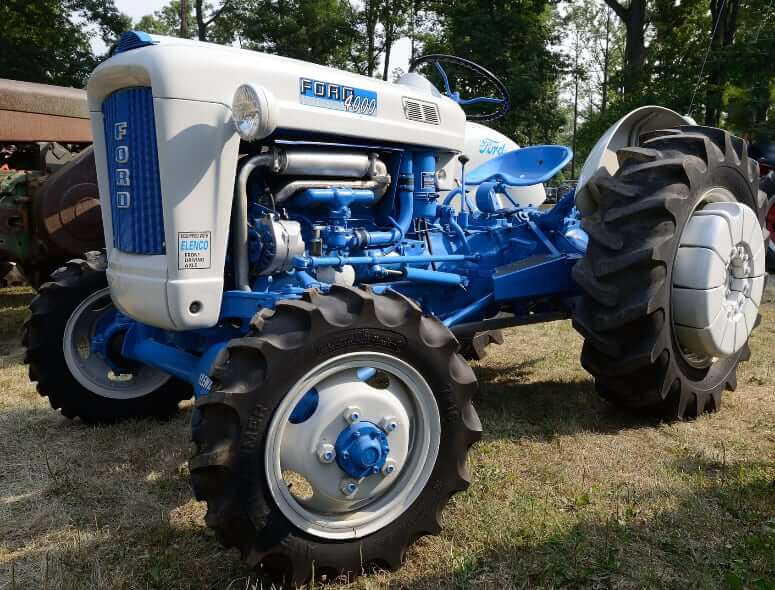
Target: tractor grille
421,111
133,170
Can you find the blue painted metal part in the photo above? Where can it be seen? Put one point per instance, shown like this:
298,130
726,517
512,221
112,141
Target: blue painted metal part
469,311
133,40
535,277
142,344
523,167
305,408
457,265
361,449
133,172
110,326
303,262
425,194
333,197
433,276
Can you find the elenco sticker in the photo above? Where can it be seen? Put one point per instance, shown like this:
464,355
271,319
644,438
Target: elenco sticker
193,249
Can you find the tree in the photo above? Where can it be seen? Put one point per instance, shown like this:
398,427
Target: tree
514,40
394,17
39,43
205,21
319,31
724,18
633,17
168,20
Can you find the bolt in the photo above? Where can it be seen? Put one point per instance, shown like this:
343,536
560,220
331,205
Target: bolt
389,468
349,487
388,424
326,453
352,414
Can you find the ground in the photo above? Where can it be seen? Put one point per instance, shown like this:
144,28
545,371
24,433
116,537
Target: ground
566,493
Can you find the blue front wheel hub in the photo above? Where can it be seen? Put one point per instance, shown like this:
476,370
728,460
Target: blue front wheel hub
361,449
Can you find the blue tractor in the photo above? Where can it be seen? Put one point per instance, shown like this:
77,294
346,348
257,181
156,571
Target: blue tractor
305,250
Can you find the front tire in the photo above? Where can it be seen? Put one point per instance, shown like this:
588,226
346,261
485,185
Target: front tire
321,343
57,337
642,358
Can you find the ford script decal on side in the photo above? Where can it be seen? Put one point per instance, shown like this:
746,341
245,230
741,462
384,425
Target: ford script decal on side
338,97
491,146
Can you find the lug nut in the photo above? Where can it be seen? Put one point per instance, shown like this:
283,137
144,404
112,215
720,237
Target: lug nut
326,453
352,414
349,487
389,468
388,424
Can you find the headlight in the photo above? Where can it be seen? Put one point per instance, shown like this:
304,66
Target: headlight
252,112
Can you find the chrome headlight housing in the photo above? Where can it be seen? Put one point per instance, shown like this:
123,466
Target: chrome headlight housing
252,112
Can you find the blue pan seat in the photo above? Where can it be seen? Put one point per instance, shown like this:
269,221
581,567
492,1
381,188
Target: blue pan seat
523,167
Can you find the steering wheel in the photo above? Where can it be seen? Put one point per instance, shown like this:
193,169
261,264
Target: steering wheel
501,103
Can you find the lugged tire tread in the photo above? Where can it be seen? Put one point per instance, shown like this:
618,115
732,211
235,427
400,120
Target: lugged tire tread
624,312
42,339
219,434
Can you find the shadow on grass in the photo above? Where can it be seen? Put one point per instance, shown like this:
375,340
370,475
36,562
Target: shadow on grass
508,401
104,507
720,535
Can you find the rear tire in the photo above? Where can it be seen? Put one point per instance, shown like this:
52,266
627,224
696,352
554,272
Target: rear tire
53,308
767,186
254,380
625,314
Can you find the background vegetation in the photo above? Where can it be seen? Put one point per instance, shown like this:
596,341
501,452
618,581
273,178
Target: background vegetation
572,67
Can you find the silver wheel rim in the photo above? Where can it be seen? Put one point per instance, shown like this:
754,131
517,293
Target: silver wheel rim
294,448
88,368
718,279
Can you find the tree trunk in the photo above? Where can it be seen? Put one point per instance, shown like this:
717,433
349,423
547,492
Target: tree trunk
575,106
606,61
371,30
388,48
184,12
725,14
201,26
634,19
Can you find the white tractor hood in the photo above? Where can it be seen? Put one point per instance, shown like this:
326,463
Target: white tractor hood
303,97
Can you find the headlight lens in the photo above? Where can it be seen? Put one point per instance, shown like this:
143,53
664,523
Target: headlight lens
251,111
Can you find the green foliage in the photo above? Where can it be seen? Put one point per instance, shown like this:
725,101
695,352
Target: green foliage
513,39
737,80
39,43
319,31
166,21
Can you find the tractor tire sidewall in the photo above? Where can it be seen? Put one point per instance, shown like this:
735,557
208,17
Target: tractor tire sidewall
51,309
275,540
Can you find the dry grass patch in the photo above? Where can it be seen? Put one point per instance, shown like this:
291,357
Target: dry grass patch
567,492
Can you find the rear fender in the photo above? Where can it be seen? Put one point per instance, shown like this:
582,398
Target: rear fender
624,133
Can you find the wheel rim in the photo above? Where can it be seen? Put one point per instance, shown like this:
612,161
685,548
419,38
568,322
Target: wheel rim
404,408
718,279
88,368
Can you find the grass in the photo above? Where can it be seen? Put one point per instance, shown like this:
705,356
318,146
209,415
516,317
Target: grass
566,493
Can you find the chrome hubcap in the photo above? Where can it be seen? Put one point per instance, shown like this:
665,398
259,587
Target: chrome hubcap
718,279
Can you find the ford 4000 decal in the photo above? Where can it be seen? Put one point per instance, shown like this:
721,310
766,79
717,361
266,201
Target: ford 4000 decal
330,95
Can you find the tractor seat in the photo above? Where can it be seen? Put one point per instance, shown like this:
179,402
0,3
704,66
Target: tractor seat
522,167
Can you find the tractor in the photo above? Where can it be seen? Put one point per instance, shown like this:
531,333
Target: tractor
49,201
305,250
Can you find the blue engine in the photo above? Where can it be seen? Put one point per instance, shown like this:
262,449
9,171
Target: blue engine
305,223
